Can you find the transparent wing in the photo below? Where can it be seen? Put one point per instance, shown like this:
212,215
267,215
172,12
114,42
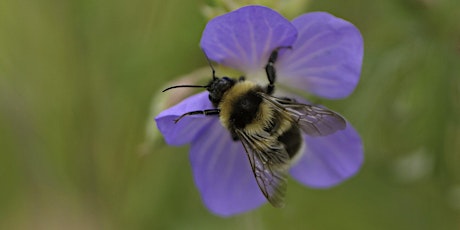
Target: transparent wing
311,119
316,121
269,162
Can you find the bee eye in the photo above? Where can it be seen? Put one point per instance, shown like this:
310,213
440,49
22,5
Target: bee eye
227,79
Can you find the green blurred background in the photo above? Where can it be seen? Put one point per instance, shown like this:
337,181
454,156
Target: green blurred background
76,83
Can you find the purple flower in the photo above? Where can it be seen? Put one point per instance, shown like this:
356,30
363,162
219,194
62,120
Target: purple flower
325,60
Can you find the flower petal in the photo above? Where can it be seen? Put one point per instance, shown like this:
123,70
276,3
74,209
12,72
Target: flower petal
188,127
329,160
222,172
326,58
243,39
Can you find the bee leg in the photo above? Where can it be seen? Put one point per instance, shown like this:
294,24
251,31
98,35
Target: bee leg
204,112
287,99
242,78
270,69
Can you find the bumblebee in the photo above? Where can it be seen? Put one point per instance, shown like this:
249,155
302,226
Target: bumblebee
269,127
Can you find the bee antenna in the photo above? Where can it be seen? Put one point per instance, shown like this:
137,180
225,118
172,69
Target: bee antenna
210,65
183,86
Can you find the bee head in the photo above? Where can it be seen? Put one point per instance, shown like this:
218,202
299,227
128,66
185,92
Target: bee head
217,87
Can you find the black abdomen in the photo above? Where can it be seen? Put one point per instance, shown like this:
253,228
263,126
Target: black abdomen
292,140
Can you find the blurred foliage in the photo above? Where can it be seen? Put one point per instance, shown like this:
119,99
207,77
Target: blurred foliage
76,83
288,8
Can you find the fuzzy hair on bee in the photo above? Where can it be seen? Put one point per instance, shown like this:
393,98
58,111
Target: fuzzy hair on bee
270,128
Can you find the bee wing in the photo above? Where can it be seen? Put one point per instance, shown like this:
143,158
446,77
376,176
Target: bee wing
269,162
311,119
316,121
